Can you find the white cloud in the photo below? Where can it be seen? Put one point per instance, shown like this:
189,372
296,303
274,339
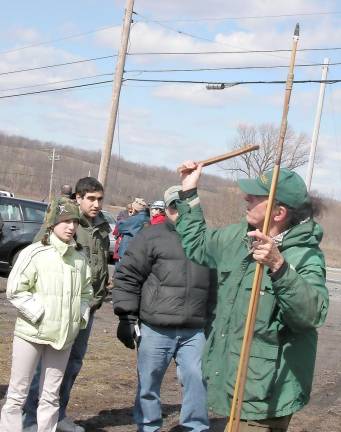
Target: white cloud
24,35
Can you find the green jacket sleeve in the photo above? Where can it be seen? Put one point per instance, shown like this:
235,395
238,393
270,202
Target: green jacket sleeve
200,243
302,295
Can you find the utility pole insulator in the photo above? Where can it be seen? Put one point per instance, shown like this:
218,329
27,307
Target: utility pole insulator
217,86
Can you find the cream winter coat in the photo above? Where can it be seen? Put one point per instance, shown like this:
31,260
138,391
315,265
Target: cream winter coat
50,287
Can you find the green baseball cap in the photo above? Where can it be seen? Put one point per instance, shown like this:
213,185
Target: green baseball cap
291,189
59,210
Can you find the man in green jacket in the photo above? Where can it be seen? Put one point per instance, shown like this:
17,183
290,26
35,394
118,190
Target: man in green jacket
293,298
92,235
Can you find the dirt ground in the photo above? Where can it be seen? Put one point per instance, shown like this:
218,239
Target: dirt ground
103,395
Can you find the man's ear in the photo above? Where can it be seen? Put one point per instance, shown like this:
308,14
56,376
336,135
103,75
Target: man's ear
280,213
78,198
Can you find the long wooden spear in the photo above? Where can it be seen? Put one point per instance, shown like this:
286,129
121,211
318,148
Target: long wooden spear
213,160
235,412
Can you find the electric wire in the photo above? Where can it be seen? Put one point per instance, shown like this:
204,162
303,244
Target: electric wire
227,68
56,82
191,35
223,84
161,71
57,89
174,53
146,19
233,83
143,53
55,40
235,18
58,64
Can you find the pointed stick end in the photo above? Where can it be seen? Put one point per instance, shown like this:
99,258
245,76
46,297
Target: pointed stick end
297,30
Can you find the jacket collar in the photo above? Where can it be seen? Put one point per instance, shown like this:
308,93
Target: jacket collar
98,221
60,246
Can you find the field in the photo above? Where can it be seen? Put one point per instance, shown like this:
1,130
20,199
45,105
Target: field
103,395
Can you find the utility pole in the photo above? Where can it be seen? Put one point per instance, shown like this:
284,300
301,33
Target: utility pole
52,158
317,124
106,152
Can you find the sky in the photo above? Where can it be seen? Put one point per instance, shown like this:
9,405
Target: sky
166,123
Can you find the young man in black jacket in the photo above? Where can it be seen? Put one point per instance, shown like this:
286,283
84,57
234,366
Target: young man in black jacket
170,297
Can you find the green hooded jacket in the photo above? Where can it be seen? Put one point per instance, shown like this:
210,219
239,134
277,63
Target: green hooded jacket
94,238
283,350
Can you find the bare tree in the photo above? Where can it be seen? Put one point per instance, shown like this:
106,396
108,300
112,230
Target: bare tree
295,154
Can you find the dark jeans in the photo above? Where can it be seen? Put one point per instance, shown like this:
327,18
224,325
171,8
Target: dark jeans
73,368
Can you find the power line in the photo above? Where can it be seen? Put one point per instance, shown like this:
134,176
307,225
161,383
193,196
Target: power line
241,17
200,37
170,53
225,84
56,89
146,19
226,68
232,83
56,40
58,64
181,32
55,82
229,52
161,71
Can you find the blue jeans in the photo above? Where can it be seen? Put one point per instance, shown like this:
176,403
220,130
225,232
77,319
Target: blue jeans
157,347
73,368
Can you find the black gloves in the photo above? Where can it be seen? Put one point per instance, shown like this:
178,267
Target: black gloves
126,331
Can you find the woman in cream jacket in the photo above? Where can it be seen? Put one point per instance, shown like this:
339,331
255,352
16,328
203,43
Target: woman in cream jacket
50,286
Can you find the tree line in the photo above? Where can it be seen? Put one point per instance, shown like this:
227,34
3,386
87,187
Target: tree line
25,171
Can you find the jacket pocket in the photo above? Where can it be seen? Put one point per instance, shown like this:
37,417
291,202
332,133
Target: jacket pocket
261,373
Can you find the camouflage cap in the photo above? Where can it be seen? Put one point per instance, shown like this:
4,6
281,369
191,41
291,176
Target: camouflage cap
59,210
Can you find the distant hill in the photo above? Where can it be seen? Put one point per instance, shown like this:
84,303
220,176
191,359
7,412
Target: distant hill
25,170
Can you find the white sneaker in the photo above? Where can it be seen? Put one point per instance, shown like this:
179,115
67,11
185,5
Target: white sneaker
32,428
67,425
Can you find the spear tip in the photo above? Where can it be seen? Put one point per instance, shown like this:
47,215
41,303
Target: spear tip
297,30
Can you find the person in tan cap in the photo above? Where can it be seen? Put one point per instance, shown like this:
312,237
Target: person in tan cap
139,204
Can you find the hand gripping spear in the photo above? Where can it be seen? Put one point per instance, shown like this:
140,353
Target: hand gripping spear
234,419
